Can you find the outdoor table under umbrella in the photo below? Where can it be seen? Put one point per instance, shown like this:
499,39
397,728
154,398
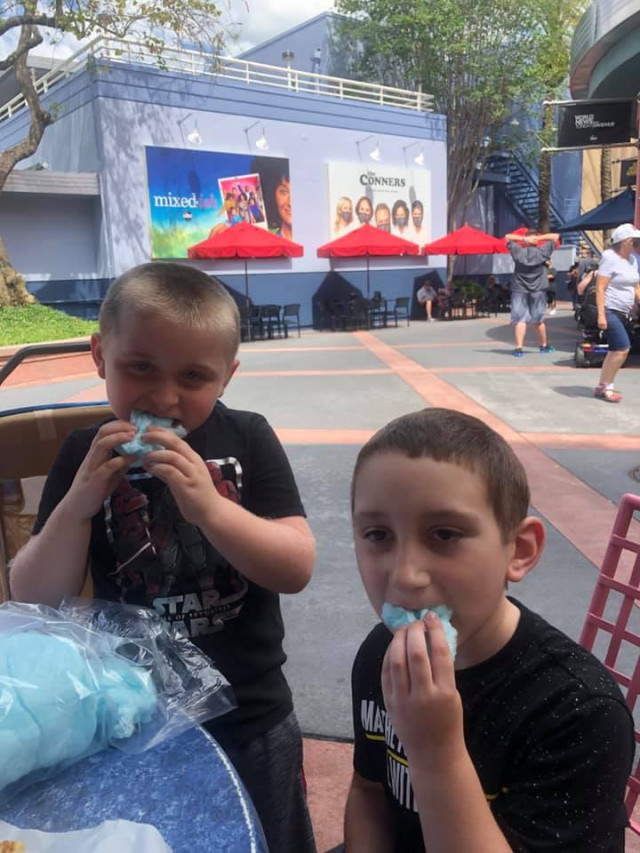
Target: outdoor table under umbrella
248,242
367,242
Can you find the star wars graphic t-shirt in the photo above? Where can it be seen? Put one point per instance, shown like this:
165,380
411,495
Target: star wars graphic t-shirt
143,552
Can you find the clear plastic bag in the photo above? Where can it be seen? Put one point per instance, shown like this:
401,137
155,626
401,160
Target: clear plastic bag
93,675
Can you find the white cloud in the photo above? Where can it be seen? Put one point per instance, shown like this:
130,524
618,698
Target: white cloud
267,18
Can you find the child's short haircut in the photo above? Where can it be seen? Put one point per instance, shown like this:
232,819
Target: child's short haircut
181,294
448,436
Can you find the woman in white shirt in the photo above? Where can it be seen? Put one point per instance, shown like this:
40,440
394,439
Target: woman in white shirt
617,292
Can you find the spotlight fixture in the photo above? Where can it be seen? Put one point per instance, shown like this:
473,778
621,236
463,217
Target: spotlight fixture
261,141
194,134
419,158
375,153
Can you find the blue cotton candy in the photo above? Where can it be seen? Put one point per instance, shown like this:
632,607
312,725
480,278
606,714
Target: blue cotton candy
57,704
139,448
395,617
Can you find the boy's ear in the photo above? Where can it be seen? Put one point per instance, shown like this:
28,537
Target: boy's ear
235,364
96,352
528,544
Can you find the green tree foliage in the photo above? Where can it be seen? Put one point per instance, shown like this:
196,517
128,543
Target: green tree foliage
481,59
156,24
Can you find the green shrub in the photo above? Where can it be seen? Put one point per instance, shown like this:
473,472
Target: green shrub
32,324
471,289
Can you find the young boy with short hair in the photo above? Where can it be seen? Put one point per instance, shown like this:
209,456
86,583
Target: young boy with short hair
207,531
524,743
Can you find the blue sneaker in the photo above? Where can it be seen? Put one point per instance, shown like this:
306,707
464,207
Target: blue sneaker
518,352
548,348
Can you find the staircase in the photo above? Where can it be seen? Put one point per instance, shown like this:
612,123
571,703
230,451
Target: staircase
521,188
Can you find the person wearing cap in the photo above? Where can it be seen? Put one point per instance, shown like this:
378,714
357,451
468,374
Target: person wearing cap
617,292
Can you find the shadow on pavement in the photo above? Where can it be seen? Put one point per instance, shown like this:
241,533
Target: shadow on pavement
574,391
561,331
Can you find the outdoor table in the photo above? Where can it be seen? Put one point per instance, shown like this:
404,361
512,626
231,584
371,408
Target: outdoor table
185,787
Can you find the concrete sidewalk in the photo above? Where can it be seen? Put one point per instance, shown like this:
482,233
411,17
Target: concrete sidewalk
325,393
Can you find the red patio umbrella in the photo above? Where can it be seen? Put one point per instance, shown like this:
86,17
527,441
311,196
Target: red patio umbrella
367,242
245,241
466,241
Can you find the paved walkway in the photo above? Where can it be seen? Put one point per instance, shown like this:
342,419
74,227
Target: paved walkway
326,393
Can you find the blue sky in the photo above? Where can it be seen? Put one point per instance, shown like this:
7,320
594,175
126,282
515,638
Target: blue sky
246,26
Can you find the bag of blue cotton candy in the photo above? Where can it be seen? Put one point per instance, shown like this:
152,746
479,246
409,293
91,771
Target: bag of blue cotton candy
93,675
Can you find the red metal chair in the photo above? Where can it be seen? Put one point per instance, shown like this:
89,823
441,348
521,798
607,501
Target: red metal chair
623,603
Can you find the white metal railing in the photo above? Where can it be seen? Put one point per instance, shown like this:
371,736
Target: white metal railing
128,52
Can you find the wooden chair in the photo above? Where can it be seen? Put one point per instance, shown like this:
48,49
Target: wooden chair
612,625
30,441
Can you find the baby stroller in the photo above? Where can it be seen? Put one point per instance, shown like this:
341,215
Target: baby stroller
592,348
30,438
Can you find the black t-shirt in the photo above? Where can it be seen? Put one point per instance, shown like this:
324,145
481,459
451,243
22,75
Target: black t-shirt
143,552
547,729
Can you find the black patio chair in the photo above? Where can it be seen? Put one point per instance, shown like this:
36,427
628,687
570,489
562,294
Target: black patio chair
401,309
378,311
359,314
251,325
272,321
291,313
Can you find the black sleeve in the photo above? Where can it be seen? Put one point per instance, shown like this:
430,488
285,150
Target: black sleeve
368,753
272,491
62,474
567,794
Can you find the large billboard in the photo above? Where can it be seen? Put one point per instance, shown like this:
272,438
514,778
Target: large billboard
390,198
192,193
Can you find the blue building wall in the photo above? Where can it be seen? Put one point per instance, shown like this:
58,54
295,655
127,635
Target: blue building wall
112,112
302,41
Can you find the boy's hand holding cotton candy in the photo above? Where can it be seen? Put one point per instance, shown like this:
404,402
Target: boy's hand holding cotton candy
395,617
142,421
185,473
100,471
420,694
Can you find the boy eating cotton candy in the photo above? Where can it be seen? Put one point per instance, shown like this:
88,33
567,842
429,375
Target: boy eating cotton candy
524,742
207,531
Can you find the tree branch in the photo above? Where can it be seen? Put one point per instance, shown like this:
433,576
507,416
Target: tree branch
40,118
11,60
28,19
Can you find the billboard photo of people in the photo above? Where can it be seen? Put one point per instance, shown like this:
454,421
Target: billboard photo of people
243,200
392,199
192,194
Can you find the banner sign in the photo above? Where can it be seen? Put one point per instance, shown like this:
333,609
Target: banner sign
390,198
595,123
629,172
192,192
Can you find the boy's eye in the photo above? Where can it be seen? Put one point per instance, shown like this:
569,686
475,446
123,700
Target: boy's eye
375,535
444,534
140,366
193,376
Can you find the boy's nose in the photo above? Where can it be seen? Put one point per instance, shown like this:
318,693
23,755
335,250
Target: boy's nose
164,398
410,573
